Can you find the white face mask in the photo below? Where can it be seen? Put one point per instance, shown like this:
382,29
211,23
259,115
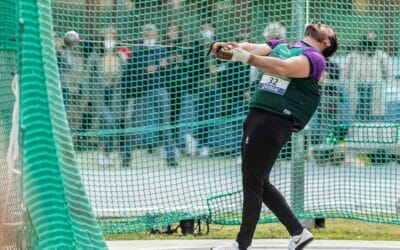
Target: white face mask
149,41
207,34
109,44
172,35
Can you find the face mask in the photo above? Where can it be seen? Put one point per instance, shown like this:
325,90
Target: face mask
149,41
109,44
172,35
208,34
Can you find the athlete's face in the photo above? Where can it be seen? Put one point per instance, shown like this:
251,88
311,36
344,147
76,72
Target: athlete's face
319,32
323,34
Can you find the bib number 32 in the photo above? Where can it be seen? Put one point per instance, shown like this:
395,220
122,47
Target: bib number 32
274,84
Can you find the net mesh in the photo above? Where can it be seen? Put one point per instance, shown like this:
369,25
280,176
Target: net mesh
50,209
10,189
141,96
58,212
153,127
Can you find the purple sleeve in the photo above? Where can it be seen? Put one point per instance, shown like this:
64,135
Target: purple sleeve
273,43
317,62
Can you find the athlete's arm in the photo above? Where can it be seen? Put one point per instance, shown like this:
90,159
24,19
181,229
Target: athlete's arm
252,48
256,49
297,66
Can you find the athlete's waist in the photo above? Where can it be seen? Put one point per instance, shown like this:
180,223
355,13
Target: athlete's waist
276,114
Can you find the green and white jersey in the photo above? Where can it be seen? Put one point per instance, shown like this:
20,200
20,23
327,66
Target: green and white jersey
295,98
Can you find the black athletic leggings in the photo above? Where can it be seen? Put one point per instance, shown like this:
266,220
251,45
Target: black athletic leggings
264,134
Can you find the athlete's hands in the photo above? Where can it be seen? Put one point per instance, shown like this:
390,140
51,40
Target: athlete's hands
230,51
224,53
220,50
239,55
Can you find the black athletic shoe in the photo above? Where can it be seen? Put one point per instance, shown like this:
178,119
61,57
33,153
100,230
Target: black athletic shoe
150,150
171,162
126,163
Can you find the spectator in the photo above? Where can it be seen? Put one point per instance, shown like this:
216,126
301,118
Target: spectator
83,106
175,78
330,122
145,82
363,74
207,33
63,67
105,66
327,109
274,31
71,65
125,53
233,78
203,79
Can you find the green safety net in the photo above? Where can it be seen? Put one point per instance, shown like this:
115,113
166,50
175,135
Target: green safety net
10,184
156,124
44,204
58,211
152,125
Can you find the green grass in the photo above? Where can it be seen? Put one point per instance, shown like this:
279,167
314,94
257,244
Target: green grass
335,229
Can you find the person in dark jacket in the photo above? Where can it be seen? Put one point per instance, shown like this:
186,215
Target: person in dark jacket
144,81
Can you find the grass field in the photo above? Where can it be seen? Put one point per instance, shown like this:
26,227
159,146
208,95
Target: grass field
339,229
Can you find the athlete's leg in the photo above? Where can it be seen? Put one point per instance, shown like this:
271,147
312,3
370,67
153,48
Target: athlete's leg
274,200
264,135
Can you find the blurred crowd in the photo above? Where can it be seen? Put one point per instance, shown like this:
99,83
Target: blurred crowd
123,97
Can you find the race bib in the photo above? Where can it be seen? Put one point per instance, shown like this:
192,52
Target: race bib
274,84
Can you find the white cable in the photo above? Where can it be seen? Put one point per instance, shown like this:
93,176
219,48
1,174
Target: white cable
13,149
13,146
